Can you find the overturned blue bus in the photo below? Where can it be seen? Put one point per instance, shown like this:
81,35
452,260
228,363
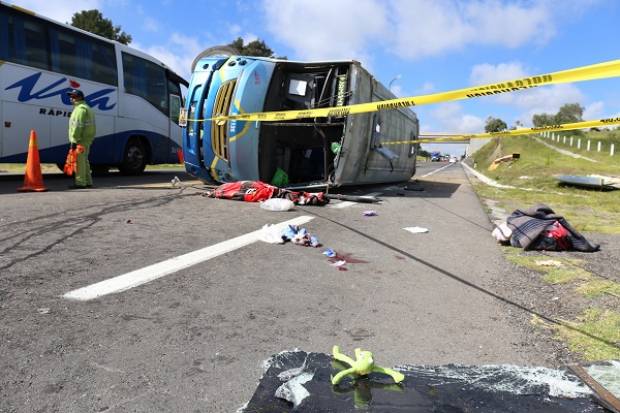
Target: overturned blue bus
327,151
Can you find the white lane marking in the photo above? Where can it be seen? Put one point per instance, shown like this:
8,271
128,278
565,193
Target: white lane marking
436,170
152,272
346,204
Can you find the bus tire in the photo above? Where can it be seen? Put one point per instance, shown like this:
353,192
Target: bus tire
134,158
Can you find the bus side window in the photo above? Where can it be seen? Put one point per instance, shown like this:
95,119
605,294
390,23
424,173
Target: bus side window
147,80
23,41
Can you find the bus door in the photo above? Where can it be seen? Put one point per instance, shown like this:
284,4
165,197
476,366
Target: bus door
174,107
175,103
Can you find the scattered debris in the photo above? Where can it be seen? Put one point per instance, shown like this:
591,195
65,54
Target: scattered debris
507,158
128,222
175,182
256,191
271,234
370,213
300,236
43,310
539,228
329,253
367,199
340,260
293,390
484,389
277,204
416,230
549,263
502,233
363,365
590,181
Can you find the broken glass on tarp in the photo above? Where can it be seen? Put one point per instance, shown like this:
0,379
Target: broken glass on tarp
450,388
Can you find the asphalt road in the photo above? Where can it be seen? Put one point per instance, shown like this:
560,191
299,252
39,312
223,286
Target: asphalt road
195,339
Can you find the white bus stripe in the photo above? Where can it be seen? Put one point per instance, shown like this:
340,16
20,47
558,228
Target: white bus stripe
152,272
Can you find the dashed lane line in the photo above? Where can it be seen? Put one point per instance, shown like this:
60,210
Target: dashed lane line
437,170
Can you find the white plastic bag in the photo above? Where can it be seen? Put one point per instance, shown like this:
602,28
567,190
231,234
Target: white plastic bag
271,234
277,204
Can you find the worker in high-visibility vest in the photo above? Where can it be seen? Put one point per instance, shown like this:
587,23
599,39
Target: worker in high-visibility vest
81,135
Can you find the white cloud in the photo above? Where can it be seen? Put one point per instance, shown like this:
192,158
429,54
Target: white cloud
59,10
326,29
177,53
409,28
449,118
546,99
486,73
234,29
425,28
427,87
150,24
594,110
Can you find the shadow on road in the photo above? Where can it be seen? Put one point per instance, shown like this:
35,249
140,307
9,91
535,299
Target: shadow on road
57,182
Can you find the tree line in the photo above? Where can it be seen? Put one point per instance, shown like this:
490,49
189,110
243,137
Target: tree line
568,113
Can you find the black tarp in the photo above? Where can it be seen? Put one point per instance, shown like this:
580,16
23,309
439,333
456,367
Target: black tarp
440,389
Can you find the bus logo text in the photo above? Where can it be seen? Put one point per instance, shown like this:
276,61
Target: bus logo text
97,99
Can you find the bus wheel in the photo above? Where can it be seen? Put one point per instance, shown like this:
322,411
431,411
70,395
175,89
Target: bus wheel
134,159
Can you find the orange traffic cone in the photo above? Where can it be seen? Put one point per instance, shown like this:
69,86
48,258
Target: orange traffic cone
180,156
33,180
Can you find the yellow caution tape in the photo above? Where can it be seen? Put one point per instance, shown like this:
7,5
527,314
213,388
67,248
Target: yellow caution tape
515,132
579,74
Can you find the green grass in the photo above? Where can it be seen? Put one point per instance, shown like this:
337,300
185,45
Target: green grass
605,137
585,209
566,270
566,275
604,324
598,287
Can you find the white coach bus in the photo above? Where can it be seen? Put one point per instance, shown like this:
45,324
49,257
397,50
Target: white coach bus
136,98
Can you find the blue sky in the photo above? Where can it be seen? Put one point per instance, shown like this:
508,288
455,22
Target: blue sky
420,46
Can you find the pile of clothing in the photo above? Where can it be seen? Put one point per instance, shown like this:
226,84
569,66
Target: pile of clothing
297,235
256,191
539,228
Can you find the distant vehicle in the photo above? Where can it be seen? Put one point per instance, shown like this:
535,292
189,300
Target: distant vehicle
40,60
435,157
453,159
334,151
